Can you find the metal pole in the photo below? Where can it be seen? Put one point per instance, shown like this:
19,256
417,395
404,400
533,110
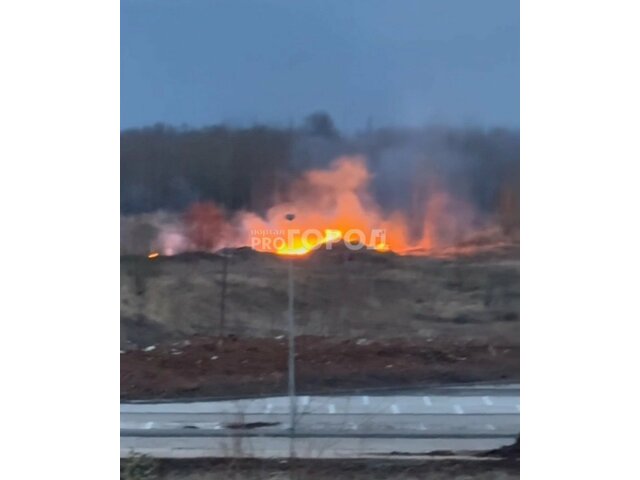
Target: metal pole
292,354
292,347
223,293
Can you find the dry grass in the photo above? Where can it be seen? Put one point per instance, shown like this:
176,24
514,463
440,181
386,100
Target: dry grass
369,295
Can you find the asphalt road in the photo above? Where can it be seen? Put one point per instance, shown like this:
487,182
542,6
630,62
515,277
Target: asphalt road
457,419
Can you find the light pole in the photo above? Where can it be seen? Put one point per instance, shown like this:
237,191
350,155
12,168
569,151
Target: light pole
292,346
223,287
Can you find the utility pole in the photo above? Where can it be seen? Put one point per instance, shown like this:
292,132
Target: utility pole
223,293
292,350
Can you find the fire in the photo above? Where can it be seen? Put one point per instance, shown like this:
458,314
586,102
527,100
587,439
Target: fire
301,244
338,203
327,206
382,247
153,255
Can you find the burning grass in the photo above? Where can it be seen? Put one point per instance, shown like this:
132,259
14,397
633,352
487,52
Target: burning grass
322,208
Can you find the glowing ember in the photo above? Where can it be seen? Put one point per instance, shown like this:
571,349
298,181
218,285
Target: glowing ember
382,247
302,244
153,255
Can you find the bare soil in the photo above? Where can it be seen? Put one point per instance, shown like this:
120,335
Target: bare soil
210,469
202,324
228,366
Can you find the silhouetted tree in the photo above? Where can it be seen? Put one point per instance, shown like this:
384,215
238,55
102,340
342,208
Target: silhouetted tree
250,168
321,124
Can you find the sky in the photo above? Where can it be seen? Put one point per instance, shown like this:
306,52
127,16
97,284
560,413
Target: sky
365,62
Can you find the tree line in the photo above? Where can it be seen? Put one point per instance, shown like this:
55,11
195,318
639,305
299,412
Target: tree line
171,168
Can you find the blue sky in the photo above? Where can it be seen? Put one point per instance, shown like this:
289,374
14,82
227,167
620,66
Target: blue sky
397,62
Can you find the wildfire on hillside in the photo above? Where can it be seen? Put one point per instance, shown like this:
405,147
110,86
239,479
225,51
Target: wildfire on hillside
328,206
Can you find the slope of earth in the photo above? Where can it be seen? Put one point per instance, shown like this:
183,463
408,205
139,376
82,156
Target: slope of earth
338,293
228,366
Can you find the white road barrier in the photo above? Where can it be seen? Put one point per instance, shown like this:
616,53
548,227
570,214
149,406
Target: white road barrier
326,426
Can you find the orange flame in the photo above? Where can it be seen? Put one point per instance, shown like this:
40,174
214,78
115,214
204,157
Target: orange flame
327,206
302,245
153,255
337,202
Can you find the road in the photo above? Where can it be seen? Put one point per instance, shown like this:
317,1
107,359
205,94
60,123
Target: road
361,425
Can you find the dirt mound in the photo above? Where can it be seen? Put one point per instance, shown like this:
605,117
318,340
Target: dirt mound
338,293
509,452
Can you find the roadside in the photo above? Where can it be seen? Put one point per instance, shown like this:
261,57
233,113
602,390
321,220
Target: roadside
453,468
225,366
